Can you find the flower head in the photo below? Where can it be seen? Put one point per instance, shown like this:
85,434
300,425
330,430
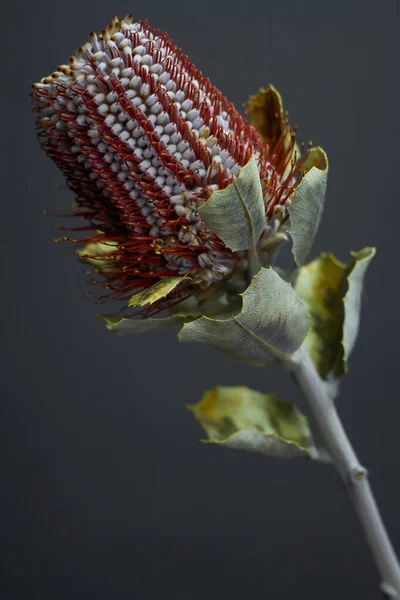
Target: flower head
144,140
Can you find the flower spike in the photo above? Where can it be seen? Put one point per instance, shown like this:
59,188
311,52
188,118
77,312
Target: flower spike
144,140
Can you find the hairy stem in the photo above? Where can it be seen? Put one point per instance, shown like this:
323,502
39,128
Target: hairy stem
354,476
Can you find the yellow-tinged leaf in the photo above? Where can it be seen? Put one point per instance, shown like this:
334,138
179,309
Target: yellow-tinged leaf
320,286
317,158
157,291
265,110
100,255
245,419
331,292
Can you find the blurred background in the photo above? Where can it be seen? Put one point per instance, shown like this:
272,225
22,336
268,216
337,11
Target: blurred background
107,492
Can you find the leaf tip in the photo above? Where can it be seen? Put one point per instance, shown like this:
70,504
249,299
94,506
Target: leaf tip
318,158
109,322
366,253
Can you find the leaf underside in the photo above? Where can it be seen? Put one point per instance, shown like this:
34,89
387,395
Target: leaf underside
272,323
122,326
307,206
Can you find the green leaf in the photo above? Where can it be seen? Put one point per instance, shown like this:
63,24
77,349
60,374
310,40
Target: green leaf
306,208
237,213
244,419
271,325
122,326
157,291
101,255
331,292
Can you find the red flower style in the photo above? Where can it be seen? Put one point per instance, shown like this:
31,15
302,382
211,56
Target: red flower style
143,140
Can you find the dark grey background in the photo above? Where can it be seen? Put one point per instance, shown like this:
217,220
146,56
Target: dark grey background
107,491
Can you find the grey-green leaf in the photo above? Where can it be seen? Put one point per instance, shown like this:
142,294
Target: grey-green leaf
247,420
122,326
352,299
237,213
271,325
306,209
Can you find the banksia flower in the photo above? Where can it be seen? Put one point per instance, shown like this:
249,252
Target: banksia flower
185,202
144,140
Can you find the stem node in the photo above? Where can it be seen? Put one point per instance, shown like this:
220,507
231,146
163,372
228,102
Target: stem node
359,473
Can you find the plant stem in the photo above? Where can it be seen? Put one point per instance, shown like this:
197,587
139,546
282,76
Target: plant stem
354,476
